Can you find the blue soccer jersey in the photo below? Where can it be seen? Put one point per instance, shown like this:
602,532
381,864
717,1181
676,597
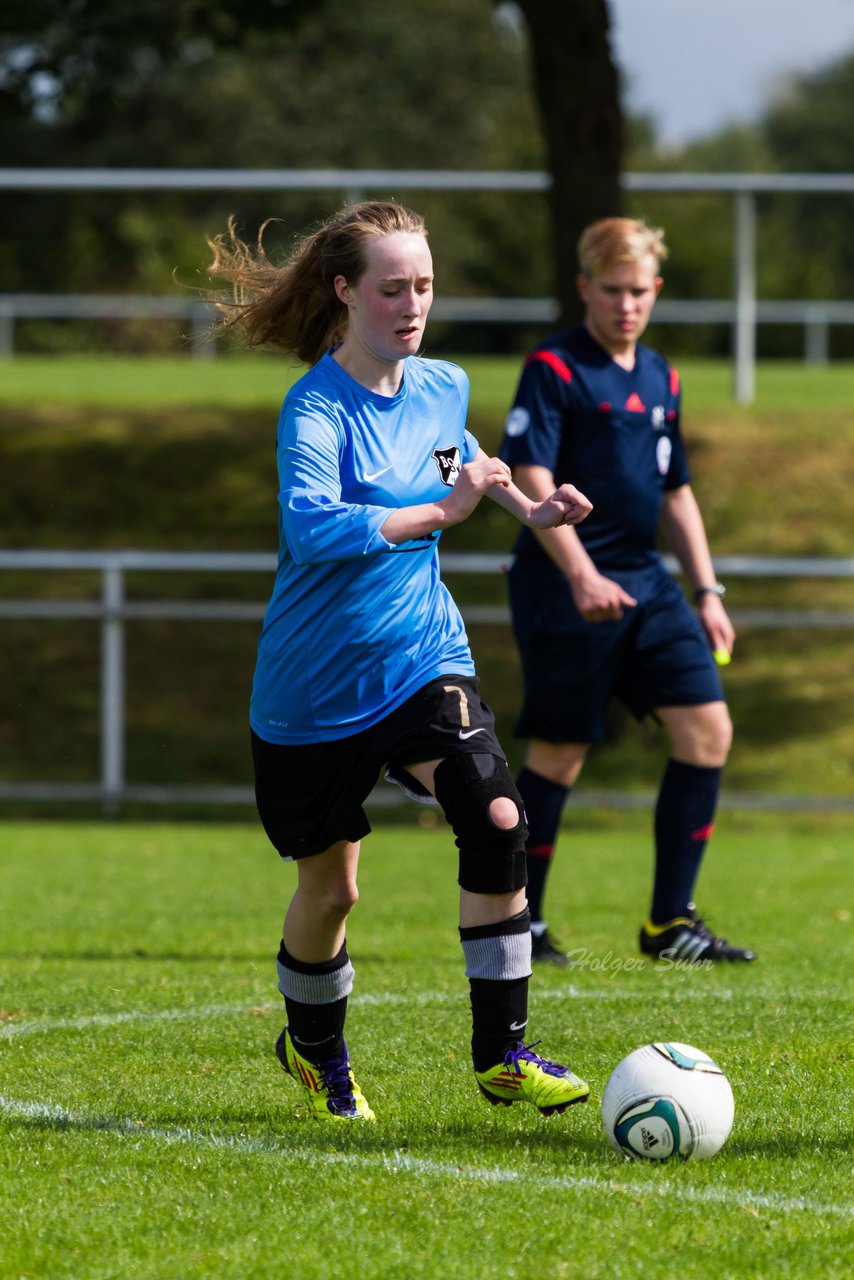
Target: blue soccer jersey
356,624
612,432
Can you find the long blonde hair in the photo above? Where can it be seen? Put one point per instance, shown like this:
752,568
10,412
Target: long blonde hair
294,305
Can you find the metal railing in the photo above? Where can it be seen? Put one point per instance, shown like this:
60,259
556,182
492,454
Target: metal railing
816,317
114,611
354,183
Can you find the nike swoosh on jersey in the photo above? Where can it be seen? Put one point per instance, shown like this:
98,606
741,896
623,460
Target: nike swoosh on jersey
469,733
375,475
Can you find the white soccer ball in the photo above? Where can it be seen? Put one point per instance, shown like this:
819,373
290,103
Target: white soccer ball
668,1100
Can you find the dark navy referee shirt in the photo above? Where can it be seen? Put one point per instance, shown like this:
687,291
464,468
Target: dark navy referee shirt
612,432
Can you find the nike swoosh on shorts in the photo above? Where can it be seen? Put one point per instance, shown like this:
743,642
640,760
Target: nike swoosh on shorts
469,733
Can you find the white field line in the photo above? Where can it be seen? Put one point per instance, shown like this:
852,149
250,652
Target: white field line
12,1030
398,1162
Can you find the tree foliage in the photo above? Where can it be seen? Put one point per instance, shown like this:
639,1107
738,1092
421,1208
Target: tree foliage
446,84
804,248
322,85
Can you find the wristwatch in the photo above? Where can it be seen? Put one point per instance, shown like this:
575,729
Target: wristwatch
718,589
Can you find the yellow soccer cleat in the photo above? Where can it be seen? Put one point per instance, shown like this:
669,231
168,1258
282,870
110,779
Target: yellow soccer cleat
524,1076
330,1090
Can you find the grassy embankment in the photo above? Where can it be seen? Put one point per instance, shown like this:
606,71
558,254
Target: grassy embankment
179,454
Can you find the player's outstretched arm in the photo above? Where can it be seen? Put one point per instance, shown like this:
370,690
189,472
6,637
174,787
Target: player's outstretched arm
565,506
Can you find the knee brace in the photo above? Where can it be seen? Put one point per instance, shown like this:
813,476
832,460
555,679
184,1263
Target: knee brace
492,858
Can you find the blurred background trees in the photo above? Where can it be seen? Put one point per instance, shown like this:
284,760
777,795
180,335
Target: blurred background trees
451,84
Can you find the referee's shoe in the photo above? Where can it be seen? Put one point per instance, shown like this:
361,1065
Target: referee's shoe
544,947
690,940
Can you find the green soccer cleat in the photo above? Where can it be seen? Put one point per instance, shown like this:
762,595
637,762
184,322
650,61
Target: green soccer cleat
331,1091
524,1076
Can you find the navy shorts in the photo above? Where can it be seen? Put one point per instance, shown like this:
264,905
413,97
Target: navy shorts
311,796
656,655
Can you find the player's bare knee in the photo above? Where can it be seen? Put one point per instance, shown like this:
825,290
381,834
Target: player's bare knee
559,762
484,808
723,740
716,735
504,812
334,904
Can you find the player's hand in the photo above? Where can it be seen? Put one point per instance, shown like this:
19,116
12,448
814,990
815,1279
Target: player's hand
600,599
565,506
472,483
716,623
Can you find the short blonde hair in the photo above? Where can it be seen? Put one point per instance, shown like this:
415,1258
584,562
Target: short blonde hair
611,240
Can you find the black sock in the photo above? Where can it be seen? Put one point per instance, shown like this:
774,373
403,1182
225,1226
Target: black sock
317,1029
684,818
499,1015
499,1005
544,801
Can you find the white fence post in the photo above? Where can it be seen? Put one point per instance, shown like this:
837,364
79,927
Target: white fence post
816,336
7,333
745,297
112,686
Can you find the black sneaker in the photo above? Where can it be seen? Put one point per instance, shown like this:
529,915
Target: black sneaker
689,939
544,951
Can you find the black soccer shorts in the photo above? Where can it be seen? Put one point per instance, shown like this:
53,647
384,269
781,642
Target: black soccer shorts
311,796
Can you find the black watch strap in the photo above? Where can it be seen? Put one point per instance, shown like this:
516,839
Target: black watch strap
718,589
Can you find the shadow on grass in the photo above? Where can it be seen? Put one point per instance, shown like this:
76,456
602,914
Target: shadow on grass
182,957
298,1135
211,957
789,1146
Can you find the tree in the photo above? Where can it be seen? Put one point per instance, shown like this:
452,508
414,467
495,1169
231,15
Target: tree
576,86
146,83
292,83
809,128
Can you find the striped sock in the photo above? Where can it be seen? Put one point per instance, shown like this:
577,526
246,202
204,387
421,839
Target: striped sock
316,1002
498,965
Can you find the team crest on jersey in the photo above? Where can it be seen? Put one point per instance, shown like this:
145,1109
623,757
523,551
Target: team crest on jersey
518,421
658,417
448,462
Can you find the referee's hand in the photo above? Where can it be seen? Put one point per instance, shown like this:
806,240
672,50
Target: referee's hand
600,599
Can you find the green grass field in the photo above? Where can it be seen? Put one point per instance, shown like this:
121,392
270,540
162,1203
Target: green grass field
146,1129
260,380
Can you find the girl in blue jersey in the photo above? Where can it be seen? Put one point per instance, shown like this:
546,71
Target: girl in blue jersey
363,661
